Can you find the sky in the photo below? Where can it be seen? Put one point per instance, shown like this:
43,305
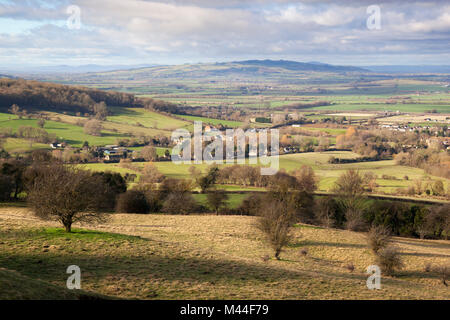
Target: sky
131,32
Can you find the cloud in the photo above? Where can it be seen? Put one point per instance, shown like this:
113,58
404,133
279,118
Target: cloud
138,31
331,16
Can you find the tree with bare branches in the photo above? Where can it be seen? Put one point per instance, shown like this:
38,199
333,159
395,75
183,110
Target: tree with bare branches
275,221
67,194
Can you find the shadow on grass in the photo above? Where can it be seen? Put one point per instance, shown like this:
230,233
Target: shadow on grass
120,111
52,267
133,260
306,243
421,254
420,243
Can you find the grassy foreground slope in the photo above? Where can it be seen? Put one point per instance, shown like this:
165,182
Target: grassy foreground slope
211,257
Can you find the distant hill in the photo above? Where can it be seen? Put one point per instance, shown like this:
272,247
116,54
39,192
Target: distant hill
301,66
5,76
65,69
409,69
249,69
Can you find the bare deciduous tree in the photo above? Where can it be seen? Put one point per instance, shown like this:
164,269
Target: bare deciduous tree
179,203
350,190
389,260
41,123
306,179
324,212
149,153
217,199
93,127
15,109
151,174
378,238
276,220
67,194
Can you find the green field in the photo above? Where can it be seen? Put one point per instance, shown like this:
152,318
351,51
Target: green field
18,146
383,107
146,118
69,133
234,199
160,151
214,122
330,131
121,125
327,173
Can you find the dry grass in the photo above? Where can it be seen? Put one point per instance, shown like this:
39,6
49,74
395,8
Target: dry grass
211,257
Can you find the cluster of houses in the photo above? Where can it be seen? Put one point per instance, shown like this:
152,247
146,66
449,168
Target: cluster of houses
442,141
108,153
289,149
400,128
407,128
114,153
57,145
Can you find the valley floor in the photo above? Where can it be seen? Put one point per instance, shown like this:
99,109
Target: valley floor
205,257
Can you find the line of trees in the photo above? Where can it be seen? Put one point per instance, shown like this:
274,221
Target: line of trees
432,161
38,95
30,133
69,194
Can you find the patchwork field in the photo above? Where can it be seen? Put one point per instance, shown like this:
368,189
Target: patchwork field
326,172
228,123
18,146
419,118
70,133
205,257
135,116
125,129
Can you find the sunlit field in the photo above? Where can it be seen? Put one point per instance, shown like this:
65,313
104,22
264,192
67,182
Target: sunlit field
205,257
326,173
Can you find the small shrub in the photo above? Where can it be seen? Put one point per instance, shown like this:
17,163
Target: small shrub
41,123
93,128
250,205
325,211
444,274
388,259
154,200
427,267
304,252
378,238
355,220
438,188
179,203
350,267
217,199
276,219
132,201
6,187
